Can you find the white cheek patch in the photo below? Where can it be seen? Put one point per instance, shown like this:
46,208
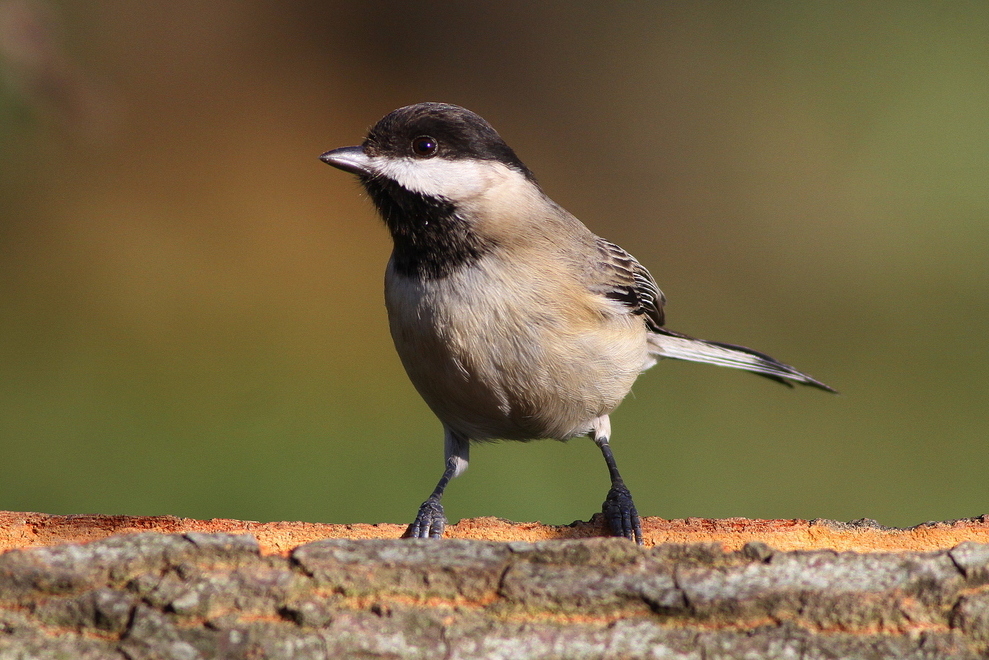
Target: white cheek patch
456,180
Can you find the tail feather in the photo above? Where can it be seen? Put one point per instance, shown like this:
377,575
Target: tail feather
668,344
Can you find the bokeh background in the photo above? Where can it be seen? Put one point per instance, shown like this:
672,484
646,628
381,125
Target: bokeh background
191,317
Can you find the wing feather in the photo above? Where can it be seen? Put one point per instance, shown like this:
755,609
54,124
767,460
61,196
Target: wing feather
623,279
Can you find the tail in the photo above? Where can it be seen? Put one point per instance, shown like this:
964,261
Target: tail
665,343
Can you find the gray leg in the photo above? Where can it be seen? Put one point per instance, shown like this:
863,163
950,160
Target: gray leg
619,510
431,521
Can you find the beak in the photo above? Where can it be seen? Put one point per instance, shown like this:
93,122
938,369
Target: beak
348,159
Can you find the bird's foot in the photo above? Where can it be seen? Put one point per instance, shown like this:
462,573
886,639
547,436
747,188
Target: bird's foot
429,523
620,514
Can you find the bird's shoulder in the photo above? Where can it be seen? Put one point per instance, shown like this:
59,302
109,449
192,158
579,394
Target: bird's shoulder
603,268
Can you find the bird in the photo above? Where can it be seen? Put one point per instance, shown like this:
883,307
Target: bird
512,319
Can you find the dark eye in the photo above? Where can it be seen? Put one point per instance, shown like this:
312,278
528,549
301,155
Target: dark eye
424,146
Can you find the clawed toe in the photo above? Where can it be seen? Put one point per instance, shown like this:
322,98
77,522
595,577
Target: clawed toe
429,523
620,514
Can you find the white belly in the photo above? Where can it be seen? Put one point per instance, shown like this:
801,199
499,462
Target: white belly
495,357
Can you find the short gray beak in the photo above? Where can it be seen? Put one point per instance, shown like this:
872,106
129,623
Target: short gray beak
348,159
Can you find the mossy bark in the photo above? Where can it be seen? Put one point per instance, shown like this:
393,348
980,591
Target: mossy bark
199,595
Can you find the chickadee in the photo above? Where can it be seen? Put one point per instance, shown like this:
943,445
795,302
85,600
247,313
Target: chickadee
513,320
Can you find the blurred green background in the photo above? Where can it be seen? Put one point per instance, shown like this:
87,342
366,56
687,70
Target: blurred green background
191,317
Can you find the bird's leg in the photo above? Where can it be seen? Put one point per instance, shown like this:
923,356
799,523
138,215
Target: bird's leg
431,521
618,509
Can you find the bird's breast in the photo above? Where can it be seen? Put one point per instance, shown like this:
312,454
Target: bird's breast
499,353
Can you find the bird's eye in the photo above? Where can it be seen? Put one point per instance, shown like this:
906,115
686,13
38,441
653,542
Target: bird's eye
424,146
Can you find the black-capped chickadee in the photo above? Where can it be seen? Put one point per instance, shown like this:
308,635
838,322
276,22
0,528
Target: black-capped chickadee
512,319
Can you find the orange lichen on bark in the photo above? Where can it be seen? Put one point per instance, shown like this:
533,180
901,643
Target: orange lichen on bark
23,530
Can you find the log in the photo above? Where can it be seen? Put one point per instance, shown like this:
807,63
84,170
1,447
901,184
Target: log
133,588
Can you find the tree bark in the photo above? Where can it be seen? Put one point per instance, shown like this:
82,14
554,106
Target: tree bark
221,595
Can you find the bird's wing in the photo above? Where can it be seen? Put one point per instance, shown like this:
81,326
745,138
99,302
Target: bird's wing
619,277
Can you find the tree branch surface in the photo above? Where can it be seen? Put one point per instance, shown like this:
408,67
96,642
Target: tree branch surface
131,588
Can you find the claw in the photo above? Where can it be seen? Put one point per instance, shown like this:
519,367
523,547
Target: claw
429,523
620,514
